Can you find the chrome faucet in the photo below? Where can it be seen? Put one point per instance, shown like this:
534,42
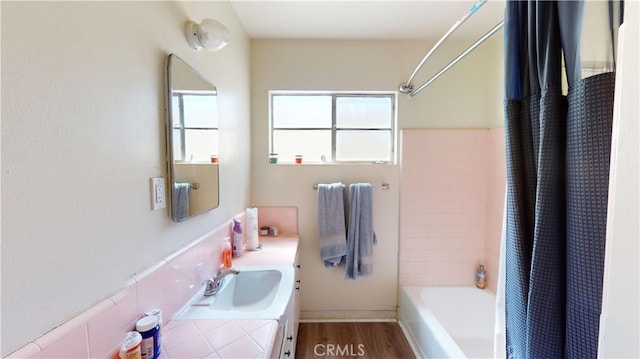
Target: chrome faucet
214,283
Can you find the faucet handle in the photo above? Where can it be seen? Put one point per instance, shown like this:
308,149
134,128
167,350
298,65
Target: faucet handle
210,287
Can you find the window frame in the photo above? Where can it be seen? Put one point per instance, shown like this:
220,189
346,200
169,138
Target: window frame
180,125
393,95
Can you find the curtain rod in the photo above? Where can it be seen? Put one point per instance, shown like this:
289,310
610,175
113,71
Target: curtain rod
407,87
455,61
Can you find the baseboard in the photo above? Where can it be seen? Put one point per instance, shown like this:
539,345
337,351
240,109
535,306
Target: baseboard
348,316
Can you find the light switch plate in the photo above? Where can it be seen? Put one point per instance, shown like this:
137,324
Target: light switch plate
158,194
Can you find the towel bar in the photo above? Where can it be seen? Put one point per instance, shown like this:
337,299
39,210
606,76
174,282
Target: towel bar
195,185
380,186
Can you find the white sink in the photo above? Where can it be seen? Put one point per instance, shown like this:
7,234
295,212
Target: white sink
257,292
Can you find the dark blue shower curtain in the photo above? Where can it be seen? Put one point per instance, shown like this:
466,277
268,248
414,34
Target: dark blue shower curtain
558,150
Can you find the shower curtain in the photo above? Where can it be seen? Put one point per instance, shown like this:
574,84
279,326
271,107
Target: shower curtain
558,149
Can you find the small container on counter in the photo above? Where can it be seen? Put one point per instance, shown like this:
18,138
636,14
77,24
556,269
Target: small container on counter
298,159
149,330
264,231
273,158
131,348
273,231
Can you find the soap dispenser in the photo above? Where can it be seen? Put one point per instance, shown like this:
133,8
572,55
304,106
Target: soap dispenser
226,252
481,277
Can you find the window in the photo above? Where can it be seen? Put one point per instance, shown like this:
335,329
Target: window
195,126
333,127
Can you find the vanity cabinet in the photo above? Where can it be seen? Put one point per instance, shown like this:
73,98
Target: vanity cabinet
290,320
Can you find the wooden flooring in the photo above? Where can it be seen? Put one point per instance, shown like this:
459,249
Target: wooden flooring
375,340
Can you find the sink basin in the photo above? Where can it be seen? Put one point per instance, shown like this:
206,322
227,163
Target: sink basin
257,292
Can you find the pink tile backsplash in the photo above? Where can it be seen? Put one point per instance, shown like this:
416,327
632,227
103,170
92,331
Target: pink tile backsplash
105,329
286,218
450,181
98,332
72,345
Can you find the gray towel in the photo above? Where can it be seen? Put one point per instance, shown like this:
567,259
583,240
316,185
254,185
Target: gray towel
361,237
181,200
331,223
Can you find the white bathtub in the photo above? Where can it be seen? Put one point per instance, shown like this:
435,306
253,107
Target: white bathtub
448,322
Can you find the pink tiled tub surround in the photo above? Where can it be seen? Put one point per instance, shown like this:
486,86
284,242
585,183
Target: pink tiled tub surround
99,331
447,205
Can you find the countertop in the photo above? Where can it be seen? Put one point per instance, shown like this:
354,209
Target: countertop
280,250
232,338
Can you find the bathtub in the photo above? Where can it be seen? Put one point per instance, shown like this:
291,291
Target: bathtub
448,322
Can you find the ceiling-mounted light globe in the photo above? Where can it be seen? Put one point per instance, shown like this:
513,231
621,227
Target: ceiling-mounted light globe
209,34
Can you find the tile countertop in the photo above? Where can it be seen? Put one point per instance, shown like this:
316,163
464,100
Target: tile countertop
232,338
280,250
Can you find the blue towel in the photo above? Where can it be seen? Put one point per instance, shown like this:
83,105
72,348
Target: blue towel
181,200
360,237
331,223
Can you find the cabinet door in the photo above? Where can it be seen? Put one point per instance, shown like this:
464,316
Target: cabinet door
288,350
296,295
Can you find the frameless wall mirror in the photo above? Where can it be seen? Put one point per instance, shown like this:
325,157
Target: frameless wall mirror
192,140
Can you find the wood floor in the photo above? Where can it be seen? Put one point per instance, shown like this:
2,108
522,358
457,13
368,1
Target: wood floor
379,340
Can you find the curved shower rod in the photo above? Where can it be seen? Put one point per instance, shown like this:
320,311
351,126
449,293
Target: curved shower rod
455,61
407,87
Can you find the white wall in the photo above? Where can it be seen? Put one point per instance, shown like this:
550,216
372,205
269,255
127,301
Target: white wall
465,97
619,328
82,134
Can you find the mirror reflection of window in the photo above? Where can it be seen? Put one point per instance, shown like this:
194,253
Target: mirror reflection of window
192,139
195,126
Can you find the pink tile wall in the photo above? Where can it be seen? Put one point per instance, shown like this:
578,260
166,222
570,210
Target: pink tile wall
445,178
286,218
99,331
495,205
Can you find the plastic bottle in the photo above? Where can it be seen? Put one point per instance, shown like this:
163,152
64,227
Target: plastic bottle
237,238
149,329
131,347
226,253
158,345
481,277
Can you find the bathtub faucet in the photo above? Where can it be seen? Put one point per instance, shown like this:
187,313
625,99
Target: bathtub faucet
214,283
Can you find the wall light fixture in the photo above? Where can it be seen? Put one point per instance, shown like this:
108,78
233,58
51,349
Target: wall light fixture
209,34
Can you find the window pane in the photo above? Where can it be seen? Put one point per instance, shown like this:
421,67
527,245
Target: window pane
363,146
363,112
177,146
200,111
311,144
175,111
201,144
301,111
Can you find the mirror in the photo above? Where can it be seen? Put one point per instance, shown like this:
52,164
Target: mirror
192,140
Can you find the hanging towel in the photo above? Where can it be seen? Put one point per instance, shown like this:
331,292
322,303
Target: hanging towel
181,200
331,223
360,238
